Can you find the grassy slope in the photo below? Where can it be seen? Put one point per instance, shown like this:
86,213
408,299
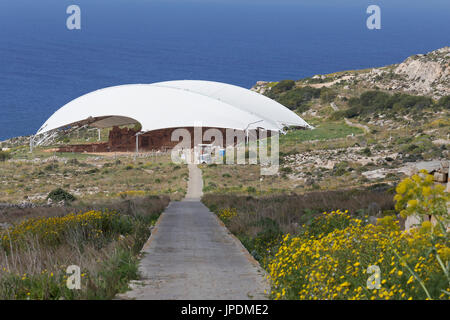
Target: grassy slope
35,252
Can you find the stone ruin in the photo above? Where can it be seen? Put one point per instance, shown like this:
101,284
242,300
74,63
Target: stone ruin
124,140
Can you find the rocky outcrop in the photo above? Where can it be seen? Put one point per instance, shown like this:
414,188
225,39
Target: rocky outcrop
427,74
261,87
422,74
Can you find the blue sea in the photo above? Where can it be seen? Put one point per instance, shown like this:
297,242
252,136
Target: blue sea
43,65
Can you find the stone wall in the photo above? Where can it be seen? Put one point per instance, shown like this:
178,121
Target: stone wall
124,140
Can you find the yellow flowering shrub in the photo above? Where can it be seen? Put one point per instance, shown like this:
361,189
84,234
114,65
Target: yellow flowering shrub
35,253
132,193
227,214
333,264
54,230
420,196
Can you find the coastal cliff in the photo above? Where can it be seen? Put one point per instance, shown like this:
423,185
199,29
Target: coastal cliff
421,74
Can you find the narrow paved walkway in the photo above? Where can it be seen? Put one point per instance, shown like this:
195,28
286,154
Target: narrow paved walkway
192,256
195,184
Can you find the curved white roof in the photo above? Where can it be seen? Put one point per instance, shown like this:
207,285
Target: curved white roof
175,104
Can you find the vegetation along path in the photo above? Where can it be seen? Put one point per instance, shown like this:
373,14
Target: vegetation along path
191,255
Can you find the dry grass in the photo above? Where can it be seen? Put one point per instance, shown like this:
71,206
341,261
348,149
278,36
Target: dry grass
31,267
130,206
243,179
91,177
291,211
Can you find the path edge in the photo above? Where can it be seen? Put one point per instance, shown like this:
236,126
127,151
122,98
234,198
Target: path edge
247,254
153,231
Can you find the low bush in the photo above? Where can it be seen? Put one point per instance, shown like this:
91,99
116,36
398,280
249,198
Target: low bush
327,95
59,194
340,168
444,103
51,167
298,98
419,147
282,86
4,156
376,102
286,170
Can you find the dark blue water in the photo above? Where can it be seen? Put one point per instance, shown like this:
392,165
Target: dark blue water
43,65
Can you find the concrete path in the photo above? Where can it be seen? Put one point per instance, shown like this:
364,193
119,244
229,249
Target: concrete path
192,256
195,184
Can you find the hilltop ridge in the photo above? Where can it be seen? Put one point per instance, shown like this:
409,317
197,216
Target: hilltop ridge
421,74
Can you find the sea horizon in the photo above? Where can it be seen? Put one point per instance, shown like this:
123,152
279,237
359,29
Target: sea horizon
44,66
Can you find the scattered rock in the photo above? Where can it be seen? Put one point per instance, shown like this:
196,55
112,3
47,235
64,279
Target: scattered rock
375,174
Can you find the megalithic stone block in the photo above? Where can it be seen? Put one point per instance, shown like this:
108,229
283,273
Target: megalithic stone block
440,177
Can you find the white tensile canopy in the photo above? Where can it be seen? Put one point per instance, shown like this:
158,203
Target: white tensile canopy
175,104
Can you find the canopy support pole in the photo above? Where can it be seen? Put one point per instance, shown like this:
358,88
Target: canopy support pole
137,145
31,143
246,130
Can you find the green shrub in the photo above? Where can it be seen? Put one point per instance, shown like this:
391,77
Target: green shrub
251,190
299,98
4,156
418,146
59,195
374,102
270,233
51,167
444,102
286,170
366,151
282,86
340,168
327,95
